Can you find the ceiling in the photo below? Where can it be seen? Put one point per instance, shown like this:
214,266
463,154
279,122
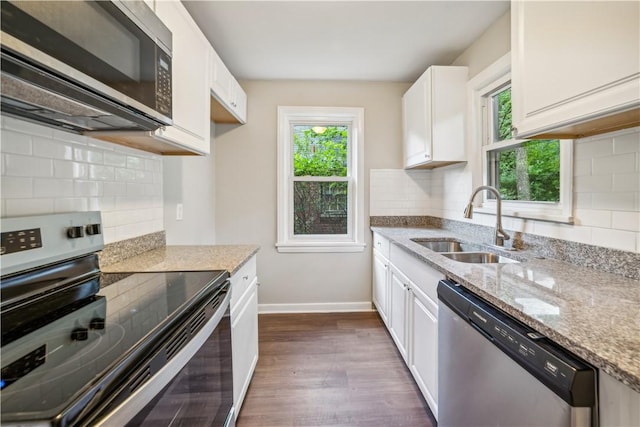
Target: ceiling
341,40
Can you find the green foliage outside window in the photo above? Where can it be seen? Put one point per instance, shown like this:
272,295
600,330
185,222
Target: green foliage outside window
320,207
320,154
529,171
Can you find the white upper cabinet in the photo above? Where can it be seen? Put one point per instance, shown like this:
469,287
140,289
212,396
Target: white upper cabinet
190,79
433,112
229,101
575,67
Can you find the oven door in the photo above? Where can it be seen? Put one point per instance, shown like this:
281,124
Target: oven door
108,46
194,389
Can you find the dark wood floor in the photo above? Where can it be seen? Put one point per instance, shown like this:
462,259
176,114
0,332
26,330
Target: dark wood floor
337,369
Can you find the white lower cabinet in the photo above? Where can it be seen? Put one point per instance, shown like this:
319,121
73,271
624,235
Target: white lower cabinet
411,313
619,404
244,329
423,350
398,312
381,285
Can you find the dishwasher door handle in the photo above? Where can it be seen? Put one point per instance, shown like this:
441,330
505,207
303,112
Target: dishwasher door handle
482,331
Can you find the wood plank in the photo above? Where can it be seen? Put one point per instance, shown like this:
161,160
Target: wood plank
330,369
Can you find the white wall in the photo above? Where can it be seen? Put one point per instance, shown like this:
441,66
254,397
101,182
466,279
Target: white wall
246,187
48,171
491,45
190,181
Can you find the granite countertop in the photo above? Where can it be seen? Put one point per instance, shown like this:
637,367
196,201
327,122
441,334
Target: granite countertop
186,258
593,314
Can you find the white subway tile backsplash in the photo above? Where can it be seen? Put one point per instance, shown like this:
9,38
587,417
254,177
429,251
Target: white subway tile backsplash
43,147
88,155
71,204
88,188
135,189
134,162
18,165
629,221
590,149
68,169
14,187
115,159
582,167
15,142
19,207
626,182
590,184
628,142
123,174
52,187
621,201
616,239
25,127
46,171
624,163
114,188
575,233
594,218
102,173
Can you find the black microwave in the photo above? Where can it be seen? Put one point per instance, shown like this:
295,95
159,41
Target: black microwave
86,65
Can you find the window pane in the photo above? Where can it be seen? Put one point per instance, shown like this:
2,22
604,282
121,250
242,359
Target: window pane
320,207
530,171
501,115
319,150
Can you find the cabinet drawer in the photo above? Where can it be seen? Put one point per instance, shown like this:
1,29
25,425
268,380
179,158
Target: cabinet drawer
381,244
425,277
241,280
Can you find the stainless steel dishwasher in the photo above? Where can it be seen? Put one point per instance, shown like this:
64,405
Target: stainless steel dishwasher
496,371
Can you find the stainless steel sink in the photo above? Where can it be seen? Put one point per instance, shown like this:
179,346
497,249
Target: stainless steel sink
447,245
479,258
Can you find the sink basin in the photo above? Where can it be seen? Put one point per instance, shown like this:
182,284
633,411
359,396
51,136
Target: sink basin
479,258
446,245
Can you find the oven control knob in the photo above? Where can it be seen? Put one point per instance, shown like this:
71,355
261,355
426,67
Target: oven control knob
75,232
80,334
93,229
96,323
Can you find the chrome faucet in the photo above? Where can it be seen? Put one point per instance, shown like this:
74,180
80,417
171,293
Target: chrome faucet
501,235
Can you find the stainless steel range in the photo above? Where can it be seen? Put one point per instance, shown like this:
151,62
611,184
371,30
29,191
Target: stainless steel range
80,347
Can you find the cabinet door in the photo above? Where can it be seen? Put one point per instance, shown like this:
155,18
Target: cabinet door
416,113
190,78
244,342
619,404
380,280
573,62
423,346
221,79
239,102
398,310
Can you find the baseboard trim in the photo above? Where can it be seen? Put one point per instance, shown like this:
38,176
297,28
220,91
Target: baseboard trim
329,307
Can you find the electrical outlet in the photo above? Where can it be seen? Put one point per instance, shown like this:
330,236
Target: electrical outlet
179,210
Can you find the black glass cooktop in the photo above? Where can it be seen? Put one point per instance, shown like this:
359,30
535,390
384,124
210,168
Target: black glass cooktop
52,366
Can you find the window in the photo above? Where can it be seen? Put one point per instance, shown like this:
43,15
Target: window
534,177
320,171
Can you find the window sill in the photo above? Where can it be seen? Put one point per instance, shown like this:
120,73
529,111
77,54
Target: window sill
316,247
523,214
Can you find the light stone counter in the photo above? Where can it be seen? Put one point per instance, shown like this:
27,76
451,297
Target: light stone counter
593,314
186,258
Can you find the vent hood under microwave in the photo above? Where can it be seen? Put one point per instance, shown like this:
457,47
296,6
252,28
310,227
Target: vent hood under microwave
114,77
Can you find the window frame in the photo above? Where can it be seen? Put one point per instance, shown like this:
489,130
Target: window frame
353,241
490,82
